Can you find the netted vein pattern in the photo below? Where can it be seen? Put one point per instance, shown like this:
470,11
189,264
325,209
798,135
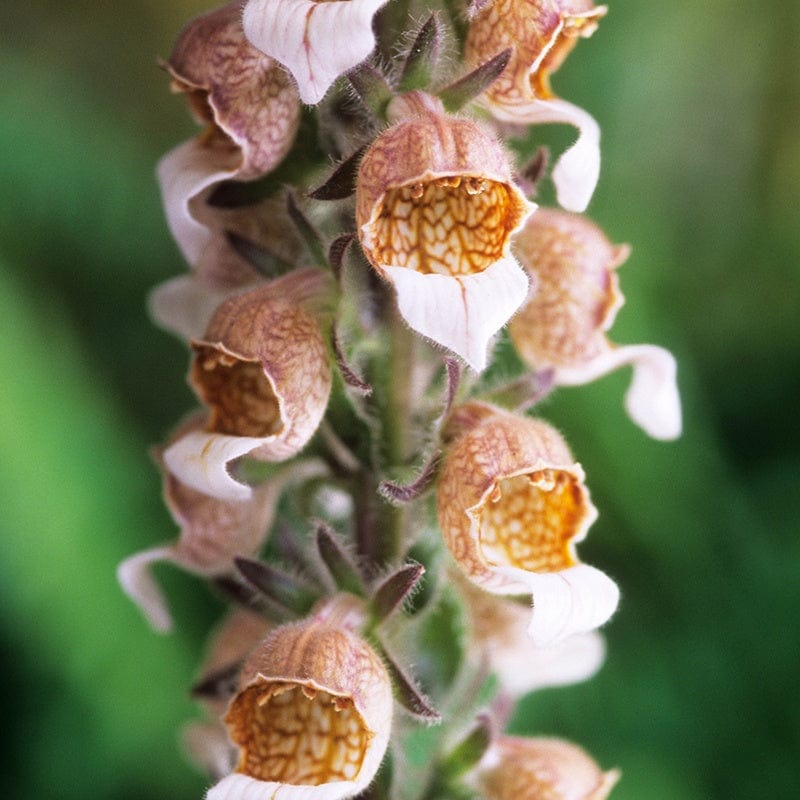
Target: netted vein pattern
455,225
296,734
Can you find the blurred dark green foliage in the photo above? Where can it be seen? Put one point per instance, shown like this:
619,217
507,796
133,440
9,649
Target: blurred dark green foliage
700,110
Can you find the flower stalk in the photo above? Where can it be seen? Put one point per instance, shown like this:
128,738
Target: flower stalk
396,527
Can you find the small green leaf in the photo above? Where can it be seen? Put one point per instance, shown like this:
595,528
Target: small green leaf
372,88
468,752
310,235
279,587
344,572
342,181
390,595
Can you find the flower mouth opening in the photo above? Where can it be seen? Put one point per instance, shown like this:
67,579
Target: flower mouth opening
453,225
529,521
241,397
572,28
297,734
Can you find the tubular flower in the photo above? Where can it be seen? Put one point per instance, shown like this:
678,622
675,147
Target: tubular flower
497,629
436,208
316,40
251,109
262,369
563,326
511,506
540,33
516,768
212,532
312,716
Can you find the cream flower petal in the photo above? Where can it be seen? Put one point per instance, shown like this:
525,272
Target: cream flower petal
573,600
137,582
652,401
577,170
572,660
315,41
461,312
201,460
184,306
183,173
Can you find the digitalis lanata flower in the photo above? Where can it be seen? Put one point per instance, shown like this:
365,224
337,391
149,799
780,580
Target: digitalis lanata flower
540,33
249,107
563,325
512,504
436,207
312,716
262,369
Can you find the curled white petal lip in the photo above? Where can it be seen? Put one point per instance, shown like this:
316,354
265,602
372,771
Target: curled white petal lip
567,602
462,313
577,170
183,173
316,42
137,582
201,459
652,401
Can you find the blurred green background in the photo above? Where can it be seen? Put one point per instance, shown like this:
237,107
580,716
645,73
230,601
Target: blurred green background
700,109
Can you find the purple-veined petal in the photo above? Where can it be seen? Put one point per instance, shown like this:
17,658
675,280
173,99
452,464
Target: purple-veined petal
316,42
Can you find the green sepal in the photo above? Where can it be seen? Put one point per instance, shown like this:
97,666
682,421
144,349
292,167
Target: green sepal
421,60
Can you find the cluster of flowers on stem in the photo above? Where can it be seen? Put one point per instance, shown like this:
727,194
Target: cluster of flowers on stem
362,479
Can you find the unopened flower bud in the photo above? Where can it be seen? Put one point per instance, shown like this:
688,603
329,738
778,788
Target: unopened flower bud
516,768
563,325
312,716
262,369
540,33
250,105
436,207
512,504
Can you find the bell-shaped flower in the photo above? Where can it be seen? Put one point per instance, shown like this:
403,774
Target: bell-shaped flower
312,716
517,768
212,531
563,325
250,107
262,369
540,33
436,207
511,505
497,628
316,40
